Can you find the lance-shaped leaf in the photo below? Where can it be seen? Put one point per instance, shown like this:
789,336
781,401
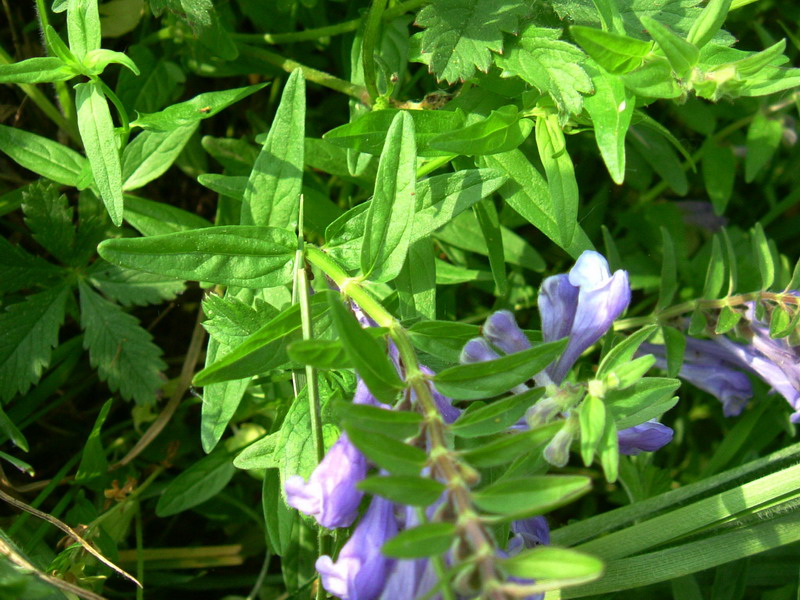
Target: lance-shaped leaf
424,540
244,256
97,60
487,379
549,562
151,153
525,497
504,129
201,481
200,107
560,175
404,489
367,354
41,155
682,55
495,417
388,453
398,424
83,26
614,52
157,218
99,141
272,195
709,22
389,221
36,70
507,447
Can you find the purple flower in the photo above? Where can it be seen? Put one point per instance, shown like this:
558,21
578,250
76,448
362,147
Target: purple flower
330,495
502,330
583,305
477,350
532,532
647,437
361,569
411,579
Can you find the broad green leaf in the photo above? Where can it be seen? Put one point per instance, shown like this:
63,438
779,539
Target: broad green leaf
715,273
233,186
763,138
200,107
490,378
367,354
719,171
158,84
509,446
320,354
615,52
97,134
200,482
623,352
389,220
97,60
461,35
780,322
397,424
660,155
653,79
119,348
647,399
93,460
45,69
560,175
553,66
709,22
675,346
525,497
403,489
496,416
489,221
611,109
151,153
551,562
157,218
682,55
129,287
388,453
443,339
416,282
272,196
527,192
259,455
245,256
503,130
83,26
763,254
49,217
593,423
41,155
28,333
428,539
669,271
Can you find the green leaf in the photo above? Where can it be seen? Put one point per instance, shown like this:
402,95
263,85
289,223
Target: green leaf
159,83
220,400
99,141
715,275
551,562
367,354
509,446
119,348
709,22
629,373
42,155
489,221
461,35
397,424
272,196
493,377
647,399
525,497
560,175
675,346
551,65
388,453
245,256
719,170
416,282
129,287
609,447
20,270
10,430
669,271
495,417
83,26
320,354
36,70
389,220
49,217
28,333
653,79
682,55
623,352
93,460
200,482
614,52
403,489
763,138
593,423
728,318
259,455
763,254
157,218
428,539
504,129
527,193
97,60
443,339
151,153
660,155
200,107
611,109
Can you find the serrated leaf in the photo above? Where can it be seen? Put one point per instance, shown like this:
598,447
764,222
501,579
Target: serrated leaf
119,348
615,52
403,489
44,69
200,107
763,138
41,155
461,35
200,482
389,220
20,270
151,153
28,333
551,65
272,196
49,217
428,539
245,256
525,497
97,134
487,379
495,417
129,287
560,175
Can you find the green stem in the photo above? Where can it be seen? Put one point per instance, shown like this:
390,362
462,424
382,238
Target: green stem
320,77
433,164
369,44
